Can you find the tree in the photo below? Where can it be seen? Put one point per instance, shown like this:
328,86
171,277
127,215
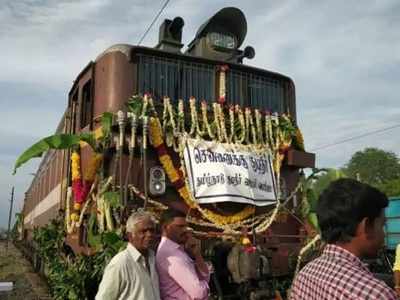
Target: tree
313,186
373,166
391,188
322,181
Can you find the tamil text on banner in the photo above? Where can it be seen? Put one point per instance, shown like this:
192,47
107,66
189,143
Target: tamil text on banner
216,174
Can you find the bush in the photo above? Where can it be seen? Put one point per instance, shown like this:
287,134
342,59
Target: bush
73,277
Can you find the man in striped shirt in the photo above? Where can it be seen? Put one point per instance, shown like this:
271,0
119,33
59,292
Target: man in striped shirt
351,219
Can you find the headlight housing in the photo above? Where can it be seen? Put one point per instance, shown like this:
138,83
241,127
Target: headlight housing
157,181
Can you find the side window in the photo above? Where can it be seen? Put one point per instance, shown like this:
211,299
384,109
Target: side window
87,104
72,126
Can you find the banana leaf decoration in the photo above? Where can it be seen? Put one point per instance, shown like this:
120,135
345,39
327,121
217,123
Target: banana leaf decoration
313,187
135,105
313,220
57,141
106,124
94,238
65,141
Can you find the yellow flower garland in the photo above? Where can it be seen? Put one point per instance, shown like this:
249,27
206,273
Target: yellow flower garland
225,220
157,140
168,165
75,165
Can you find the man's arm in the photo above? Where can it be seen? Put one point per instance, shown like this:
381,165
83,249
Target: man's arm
186,277
110,283
192,247
202,268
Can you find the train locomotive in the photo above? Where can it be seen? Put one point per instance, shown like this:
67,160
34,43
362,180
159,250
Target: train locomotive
206,94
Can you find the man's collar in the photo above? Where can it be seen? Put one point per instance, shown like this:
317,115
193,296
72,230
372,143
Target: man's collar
135,253
340,252
170,243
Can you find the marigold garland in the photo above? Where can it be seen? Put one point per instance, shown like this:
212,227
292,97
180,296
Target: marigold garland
259,131
182,186
75,165
81,188
168,165
226,220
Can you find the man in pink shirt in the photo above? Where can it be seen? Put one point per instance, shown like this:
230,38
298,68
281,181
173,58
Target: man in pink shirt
182,272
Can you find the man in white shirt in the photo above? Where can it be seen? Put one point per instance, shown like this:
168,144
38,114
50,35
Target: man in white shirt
131,274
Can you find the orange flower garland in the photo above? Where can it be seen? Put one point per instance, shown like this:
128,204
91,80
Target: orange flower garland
75,165
182,187
77,187
81,188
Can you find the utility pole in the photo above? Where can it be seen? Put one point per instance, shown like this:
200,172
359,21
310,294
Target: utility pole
358,177
9,217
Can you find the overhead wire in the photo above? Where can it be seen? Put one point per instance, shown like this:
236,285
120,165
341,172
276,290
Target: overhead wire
314,149
356,137
152,23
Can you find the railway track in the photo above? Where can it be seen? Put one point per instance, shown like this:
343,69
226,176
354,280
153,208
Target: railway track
27,284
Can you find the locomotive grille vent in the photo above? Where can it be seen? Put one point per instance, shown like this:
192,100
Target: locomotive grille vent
181,79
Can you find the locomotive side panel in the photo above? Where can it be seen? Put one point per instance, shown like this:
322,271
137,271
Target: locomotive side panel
114,82
43,198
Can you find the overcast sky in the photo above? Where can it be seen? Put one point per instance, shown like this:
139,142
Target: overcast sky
344,57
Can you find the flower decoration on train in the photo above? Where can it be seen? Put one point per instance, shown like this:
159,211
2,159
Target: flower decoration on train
237,128
81,186
176,177
218,123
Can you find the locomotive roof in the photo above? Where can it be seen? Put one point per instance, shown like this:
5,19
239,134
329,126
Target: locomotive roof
130,50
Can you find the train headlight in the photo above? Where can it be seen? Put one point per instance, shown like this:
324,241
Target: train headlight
220,40
220,37
157,181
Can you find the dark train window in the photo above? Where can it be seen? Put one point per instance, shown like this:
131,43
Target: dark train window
180,79
263,92
86,104
176,79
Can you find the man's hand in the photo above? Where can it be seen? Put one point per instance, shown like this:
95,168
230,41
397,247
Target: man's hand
192,247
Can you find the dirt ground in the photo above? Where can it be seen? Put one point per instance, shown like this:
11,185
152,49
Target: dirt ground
27,284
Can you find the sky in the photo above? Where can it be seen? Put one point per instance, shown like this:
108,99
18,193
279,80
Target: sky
344,57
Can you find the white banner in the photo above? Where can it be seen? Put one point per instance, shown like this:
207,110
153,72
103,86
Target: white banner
217,175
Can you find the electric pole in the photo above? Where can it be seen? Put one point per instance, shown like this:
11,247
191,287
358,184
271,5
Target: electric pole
9,217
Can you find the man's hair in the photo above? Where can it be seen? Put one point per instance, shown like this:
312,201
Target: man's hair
168,216
135,218
343,205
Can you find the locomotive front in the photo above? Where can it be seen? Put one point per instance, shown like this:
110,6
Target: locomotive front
211,72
